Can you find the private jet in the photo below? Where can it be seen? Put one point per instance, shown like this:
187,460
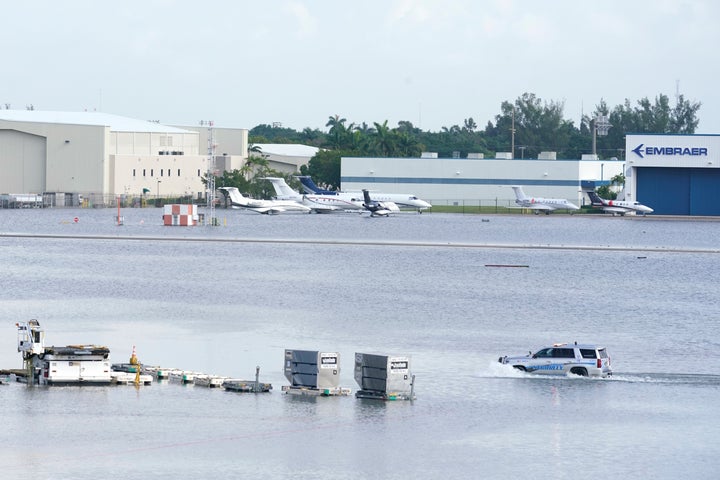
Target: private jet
376,208
401,200
318,203
239,200
618,207
538,205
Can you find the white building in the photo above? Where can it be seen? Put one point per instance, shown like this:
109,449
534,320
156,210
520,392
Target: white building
102,155
286,158
475,179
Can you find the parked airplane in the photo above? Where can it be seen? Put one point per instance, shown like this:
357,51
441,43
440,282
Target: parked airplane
237,199
318,203
538,205
618,207
402,200
376,208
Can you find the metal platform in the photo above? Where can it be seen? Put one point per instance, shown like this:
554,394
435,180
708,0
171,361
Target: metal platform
373,395
248,386
316,392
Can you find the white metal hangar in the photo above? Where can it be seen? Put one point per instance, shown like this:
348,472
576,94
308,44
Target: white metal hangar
477,180
675,174
286,157
100,156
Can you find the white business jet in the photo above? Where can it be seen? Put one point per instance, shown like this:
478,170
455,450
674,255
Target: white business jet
239,200
618,207
316,202
538,205
402,200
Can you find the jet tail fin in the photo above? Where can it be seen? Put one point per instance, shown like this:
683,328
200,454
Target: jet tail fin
310,187
236,198
366,196
595,198
282,189
519,194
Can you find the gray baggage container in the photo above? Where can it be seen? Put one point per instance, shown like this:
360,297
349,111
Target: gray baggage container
312,369
383,374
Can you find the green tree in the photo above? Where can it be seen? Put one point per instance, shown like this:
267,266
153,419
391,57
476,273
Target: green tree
684,116
339,136
604,191
324,168
384,140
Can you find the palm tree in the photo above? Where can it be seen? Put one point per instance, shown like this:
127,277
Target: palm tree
385,141
337,131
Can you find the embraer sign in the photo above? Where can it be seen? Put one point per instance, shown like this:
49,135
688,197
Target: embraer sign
641,150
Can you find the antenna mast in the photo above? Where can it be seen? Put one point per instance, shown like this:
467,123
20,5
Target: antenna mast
210,194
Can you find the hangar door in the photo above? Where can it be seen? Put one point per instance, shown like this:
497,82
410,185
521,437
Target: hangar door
679,191
22,162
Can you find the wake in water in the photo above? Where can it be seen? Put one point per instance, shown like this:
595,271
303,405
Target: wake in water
499,370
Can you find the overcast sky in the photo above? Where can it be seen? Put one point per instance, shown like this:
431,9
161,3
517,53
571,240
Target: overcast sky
298,62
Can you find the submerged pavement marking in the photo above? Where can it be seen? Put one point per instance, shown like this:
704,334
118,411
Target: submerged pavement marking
383,243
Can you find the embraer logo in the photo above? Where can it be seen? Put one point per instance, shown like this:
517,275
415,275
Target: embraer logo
680,151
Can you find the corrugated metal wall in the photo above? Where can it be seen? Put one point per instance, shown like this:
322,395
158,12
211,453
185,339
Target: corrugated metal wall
679,191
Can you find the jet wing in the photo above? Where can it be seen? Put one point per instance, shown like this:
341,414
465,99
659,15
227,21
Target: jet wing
615,209
268,210
324,209
540,206
391,206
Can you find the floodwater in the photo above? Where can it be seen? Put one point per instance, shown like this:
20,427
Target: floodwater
223,300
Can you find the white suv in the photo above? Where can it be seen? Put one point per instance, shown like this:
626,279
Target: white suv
562,358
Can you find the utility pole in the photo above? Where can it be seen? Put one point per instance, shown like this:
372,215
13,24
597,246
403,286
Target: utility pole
512,135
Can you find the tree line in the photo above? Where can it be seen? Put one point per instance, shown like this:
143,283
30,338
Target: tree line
529,123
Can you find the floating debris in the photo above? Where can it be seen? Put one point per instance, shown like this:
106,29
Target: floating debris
506,265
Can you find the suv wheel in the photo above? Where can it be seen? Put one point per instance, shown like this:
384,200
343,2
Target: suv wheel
579,371
520,367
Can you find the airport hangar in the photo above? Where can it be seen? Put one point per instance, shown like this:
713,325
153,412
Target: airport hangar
63,155
673,174
476,180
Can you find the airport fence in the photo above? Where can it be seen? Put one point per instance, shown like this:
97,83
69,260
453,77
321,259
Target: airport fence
92,200
96,200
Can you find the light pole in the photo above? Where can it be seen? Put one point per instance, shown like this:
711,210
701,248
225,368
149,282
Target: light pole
600,127
157,197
